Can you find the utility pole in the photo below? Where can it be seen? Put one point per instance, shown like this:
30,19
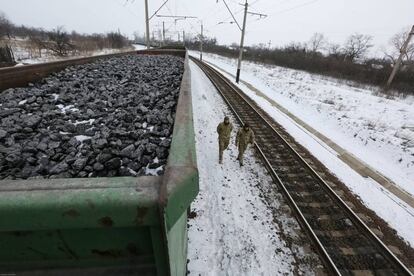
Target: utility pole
201,42
176,18
183,37
403,51
243,31
163,33
242,43
147,34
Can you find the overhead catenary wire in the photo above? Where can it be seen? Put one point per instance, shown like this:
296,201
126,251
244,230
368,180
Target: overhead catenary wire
295,7
287,10
235,20
158,9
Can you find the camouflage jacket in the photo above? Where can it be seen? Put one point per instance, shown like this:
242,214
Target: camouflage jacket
224,131
243,138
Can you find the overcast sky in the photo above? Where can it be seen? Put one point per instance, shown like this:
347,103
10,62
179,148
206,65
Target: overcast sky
288,20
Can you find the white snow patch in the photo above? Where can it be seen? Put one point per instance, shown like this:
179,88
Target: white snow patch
369,126
233,233
90,121
132,172
139,47
153,172
66,108
82,138
364,110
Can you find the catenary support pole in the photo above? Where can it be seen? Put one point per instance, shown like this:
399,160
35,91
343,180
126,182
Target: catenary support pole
399,60
183,38
147,33
163,33
201,42
242,43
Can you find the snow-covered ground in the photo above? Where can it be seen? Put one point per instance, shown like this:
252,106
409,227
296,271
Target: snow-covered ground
373,128
139,47
378,130
24,54
234,232
23,57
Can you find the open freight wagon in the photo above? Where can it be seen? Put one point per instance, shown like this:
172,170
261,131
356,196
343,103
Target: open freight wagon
103,225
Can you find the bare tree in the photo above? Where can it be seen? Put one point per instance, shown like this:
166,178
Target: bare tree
335,50
397,42
316,43
357,46
295,47
37,42
59,42
5,26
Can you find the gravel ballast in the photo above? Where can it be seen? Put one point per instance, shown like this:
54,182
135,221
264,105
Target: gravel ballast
110,118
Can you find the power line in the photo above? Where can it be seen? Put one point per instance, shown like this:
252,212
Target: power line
235,20
295,7
158,9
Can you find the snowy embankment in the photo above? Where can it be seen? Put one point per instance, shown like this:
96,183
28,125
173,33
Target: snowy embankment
233,232
375,129
24,54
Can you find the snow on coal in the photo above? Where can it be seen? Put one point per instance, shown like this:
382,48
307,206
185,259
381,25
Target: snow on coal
110,118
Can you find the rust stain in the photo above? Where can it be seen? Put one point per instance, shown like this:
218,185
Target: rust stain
66,248
108,253
132,249
42,254
21,233
71,213
141,212
90,203
106,222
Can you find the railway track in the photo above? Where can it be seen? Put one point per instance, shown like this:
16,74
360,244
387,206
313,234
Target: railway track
343,241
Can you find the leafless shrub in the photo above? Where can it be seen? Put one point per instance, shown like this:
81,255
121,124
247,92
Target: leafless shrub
316,43
5,26
357,46
396,43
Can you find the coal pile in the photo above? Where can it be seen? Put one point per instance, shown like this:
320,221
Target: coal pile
110,118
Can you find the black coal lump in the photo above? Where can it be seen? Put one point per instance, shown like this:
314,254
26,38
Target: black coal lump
113,117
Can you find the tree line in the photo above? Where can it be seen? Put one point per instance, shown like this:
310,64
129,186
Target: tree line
57,41
317,55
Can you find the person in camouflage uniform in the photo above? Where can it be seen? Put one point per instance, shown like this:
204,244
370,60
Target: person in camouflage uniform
245,136
224,131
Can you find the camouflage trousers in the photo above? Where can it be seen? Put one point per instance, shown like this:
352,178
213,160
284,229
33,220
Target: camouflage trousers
223,145
242,149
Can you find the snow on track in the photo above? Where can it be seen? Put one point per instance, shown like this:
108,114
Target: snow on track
377,130
232,233
399,215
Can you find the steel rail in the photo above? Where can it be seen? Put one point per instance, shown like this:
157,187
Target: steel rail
327,260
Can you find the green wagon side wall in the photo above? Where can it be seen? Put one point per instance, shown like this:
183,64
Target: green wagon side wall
121,225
